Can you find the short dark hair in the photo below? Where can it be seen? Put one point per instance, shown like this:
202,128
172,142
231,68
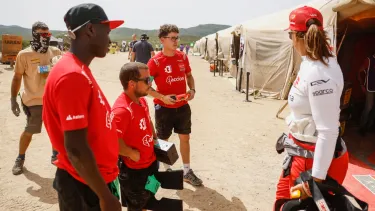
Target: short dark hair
166,29
130,71
39,25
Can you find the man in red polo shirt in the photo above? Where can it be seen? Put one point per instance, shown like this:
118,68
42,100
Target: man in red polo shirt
136,130
78,118
171,70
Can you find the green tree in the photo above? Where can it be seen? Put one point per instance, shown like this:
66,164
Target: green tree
25,44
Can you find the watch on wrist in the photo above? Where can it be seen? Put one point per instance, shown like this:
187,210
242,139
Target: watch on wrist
194,90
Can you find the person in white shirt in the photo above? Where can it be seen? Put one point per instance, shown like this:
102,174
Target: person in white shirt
314,100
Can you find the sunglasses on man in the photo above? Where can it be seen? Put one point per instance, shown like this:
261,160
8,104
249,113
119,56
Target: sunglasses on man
147,80
174,39
45,34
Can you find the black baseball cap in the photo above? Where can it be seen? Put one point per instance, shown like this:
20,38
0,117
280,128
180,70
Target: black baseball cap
84,13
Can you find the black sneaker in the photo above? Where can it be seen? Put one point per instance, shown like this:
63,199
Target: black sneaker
191,178
18,167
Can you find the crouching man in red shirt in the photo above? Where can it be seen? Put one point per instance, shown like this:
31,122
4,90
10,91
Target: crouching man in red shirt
135,129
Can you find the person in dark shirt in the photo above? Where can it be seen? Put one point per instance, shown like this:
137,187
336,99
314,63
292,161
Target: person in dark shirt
131,45
142,50
367,83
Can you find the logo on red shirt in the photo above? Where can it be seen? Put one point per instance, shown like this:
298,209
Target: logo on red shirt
142,124
109,118
101,99
147,139
182,67
168,69
69,117
171,80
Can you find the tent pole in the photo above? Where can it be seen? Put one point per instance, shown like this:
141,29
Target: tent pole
281,110
240,84
214,67
237,76
247,87
342,40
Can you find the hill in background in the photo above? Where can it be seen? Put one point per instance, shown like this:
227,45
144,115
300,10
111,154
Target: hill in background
187,35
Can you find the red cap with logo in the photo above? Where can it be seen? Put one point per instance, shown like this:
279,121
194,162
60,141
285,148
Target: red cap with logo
299,17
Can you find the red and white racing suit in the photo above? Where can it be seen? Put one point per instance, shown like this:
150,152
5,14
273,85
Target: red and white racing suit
313,124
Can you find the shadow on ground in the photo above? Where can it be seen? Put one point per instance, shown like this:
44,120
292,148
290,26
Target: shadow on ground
9,68
362,148
206,199
45,193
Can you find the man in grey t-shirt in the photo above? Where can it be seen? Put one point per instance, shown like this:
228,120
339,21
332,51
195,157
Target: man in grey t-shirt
142,50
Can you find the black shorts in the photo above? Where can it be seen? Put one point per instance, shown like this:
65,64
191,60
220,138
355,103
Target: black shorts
167,119
132,183
74,195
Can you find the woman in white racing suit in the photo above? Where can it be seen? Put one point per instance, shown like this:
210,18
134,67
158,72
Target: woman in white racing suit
314,100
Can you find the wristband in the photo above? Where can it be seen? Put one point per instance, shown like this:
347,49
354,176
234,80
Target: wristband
194,90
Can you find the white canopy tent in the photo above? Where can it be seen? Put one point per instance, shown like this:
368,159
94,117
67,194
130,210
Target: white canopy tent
224,44
268,53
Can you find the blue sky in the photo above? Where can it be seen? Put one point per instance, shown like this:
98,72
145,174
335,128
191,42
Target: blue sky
146,14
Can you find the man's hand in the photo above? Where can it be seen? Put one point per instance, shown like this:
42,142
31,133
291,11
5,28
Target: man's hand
110,203
191,94
135,155
15,107
168,100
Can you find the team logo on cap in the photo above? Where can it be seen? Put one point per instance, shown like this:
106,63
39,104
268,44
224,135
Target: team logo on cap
292,16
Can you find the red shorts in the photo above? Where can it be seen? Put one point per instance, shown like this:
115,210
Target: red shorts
336,171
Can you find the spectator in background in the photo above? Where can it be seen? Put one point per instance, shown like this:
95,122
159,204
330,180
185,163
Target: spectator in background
131,45
367,82
187,48
32,65
181,47
143,50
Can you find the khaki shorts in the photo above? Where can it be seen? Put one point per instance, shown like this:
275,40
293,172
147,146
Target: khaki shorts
34,119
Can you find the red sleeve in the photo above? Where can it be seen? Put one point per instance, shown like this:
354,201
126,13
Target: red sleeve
152,67
72,96
122,120
187,64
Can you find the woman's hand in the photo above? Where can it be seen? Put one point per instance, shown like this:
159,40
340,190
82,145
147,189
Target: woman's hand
303,189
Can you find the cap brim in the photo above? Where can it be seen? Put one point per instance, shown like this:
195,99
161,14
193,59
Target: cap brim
114,24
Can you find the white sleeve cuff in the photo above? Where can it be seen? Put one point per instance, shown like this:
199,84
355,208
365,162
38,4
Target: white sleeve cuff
320,174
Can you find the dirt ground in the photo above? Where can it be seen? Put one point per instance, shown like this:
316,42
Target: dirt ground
232,146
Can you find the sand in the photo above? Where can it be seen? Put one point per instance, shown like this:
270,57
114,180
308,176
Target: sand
232,146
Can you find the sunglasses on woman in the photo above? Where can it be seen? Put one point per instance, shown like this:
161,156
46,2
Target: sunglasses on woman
147,80
291,35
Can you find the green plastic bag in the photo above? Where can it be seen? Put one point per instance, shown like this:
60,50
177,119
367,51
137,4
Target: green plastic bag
152,184
114,186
